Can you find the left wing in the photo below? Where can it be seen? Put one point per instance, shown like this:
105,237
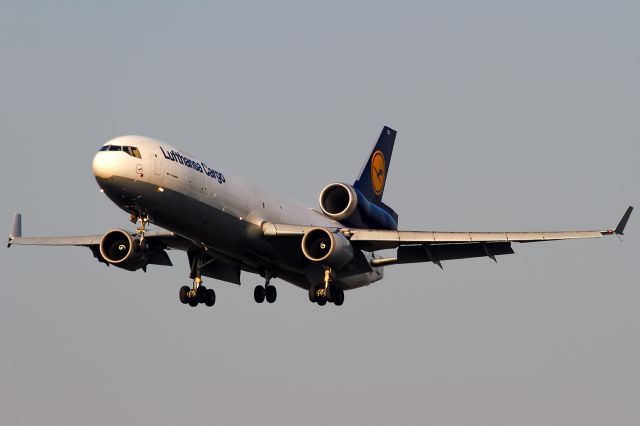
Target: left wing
433,246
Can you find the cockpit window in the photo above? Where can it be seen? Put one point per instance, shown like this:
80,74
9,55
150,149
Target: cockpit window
131,150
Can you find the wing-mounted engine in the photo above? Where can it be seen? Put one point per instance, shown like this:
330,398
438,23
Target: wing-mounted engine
330,249
118,248
347,205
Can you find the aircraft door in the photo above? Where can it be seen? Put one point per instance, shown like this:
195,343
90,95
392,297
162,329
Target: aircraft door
157,163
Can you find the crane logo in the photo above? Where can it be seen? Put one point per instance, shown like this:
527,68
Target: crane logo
378,172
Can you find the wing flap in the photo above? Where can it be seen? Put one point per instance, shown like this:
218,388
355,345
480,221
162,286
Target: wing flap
439,252
390,239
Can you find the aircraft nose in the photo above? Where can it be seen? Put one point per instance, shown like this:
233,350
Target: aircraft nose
103,165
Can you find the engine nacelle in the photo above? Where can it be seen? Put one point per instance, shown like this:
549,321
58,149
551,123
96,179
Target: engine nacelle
327,248
118,248
346,204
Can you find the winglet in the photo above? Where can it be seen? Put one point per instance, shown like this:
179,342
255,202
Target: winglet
623,222
16,228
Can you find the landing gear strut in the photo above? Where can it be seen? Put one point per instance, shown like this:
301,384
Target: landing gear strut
198,293
327,292
266,292
144,221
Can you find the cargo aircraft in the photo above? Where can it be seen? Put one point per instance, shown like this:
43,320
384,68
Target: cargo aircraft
227,225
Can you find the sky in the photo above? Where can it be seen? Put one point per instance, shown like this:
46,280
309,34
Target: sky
510,115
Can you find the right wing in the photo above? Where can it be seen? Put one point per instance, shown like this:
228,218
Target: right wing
217,266
89,240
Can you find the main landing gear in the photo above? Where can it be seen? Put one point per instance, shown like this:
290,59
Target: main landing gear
327,292
197,293
266,292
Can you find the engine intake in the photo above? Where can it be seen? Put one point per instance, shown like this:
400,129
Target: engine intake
338,200
118,248
346,204
327,248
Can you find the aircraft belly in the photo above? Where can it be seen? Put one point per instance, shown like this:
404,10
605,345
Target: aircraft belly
215,222
203,223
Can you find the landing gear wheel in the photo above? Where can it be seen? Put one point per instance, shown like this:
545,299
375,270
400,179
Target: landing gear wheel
271,293
201,292
259,294
338,296
193,302
331,293
322,301
312,294
184,294
209,297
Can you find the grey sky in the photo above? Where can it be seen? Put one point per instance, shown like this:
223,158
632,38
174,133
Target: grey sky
510,115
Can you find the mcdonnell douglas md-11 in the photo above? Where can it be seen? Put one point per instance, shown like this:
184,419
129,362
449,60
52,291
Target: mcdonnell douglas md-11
227,225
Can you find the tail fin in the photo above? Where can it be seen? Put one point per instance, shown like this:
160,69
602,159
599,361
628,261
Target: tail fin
372,180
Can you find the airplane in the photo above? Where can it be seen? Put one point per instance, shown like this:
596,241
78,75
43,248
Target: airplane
228,226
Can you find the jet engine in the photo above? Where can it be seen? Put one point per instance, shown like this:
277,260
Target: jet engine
346,204
327,248
120,249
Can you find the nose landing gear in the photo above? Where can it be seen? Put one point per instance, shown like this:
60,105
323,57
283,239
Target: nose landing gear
144,221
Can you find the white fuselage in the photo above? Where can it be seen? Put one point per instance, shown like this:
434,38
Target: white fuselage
165,170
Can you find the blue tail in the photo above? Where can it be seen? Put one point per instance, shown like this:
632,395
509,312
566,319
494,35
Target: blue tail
373,178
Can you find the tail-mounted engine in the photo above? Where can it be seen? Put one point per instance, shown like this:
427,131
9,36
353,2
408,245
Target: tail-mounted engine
327,248
120,249
347,205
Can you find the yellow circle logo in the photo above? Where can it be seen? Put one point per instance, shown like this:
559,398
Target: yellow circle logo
378,172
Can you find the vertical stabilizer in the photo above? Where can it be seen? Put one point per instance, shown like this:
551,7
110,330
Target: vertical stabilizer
373,178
